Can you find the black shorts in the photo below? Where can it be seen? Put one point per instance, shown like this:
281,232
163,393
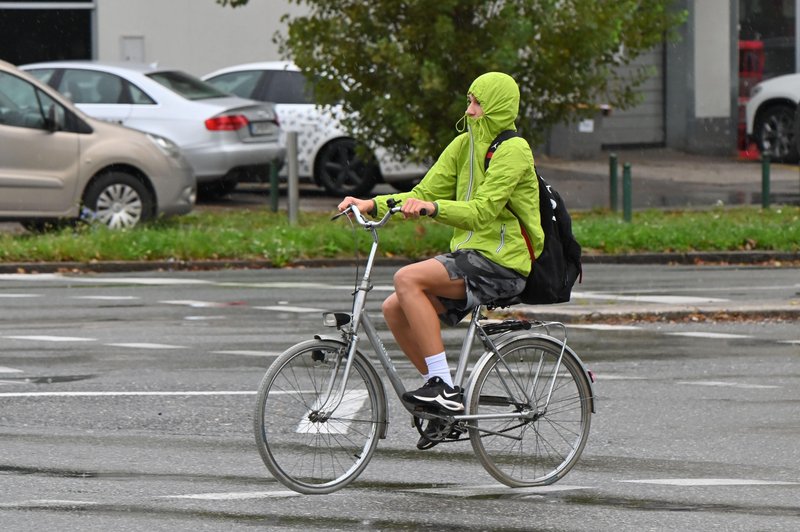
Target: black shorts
486,282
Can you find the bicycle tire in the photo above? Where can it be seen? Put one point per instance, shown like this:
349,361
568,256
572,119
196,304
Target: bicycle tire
317,456
530,450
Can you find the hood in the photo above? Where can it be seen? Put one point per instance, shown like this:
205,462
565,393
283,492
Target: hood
498,95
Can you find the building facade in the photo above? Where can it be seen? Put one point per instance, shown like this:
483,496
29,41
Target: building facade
691,103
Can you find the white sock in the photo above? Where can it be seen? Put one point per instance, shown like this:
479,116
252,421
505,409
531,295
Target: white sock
437,367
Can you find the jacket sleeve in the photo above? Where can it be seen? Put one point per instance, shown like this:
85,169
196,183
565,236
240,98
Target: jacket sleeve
439,182
511,162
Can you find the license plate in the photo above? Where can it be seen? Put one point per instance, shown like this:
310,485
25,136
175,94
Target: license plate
262,128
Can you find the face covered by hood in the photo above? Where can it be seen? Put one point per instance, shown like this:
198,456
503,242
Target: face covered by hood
498,95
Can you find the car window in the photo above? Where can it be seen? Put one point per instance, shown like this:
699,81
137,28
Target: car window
42,74
138,96
286,86
187,86
20,104
239,83
91,86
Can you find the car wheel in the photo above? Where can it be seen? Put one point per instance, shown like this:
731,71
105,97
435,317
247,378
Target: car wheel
341,172
775,133
216,189
119,200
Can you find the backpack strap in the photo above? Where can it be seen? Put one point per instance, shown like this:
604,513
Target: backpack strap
499,139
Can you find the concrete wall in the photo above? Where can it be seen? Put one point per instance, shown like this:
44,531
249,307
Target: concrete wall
197,36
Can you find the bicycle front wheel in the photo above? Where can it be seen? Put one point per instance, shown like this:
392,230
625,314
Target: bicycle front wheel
541,441
305,443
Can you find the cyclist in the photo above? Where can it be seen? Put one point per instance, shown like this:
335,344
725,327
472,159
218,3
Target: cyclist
490,252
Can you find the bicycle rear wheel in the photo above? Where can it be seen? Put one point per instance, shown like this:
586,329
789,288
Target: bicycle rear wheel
309,451
541,444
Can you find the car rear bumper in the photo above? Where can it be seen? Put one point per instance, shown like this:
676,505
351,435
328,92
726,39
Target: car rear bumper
213,162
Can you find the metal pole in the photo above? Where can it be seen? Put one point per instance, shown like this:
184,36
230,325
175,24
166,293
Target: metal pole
765,181
274,193
294,187
612,182
626,192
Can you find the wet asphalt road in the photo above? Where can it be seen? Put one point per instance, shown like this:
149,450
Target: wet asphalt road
127,399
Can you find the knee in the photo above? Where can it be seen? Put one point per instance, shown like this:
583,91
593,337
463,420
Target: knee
404,279
391,309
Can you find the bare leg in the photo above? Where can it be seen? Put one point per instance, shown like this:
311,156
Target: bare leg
412,311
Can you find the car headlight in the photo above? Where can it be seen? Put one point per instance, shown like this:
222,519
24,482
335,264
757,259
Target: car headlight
169,148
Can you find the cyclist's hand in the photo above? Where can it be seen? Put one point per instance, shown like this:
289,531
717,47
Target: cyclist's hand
414,208
365,206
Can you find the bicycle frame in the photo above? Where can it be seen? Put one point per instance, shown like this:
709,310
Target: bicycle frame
359,318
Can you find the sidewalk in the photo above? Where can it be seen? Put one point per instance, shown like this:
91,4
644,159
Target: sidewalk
667,178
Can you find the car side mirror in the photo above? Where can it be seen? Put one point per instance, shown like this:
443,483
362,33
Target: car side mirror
54,120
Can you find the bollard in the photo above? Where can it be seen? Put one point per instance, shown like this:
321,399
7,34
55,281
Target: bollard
612,181
274,193
294,187
765,181
626,192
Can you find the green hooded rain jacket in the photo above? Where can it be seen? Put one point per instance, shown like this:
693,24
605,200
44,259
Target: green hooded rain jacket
473,202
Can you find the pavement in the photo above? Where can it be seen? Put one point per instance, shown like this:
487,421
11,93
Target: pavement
661,178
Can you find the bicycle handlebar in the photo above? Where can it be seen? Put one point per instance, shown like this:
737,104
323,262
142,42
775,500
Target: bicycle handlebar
394,207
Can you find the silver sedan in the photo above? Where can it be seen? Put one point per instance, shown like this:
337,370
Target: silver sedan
225,138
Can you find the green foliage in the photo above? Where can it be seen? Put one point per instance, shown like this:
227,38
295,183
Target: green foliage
259,235
405,65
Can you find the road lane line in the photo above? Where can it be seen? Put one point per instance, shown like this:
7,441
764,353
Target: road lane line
194,393
20,296
352,401
234,496
718,336
145,345
711,482
47,338
6,369
290,308
729,384
246,353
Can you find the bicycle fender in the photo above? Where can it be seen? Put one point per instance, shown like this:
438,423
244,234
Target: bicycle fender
507,338
384,415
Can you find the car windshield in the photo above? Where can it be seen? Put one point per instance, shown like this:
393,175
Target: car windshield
187,86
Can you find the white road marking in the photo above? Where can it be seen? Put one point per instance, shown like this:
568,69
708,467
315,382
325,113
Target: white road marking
719,336
108,298
5,369
289,308
20,296
494,489
670,300
712,482
47,338
204,318
729,384
237,496
145,345
791,342
195,304
126,394
604,327
611,377
248,353
30,276
351,403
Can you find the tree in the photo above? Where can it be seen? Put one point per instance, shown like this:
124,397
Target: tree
403,66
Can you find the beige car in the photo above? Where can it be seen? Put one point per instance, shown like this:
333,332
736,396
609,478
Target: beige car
58,164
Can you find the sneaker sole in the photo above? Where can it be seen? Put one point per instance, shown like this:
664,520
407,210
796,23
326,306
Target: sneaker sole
449,405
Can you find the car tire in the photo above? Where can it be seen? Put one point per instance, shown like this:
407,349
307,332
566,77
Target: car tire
341,172
775,133
119,200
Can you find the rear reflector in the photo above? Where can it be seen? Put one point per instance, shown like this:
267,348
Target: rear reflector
226,123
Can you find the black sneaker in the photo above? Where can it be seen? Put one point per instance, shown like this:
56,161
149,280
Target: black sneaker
436,393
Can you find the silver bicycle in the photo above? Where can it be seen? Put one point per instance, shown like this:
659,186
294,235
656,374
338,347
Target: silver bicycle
322,407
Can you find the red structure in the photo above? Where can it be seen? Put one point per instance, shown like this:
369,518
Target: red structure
751,72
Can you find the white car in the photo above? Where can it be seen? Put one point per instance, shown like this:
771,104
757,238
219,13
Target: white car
326,152
770,115
225,138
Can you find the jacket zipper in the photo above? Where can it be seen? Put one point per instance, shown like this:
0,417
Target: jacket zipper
469,188
502,238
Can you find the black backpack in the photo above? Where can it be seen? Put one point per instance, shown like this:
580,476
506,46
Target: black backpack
557,268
